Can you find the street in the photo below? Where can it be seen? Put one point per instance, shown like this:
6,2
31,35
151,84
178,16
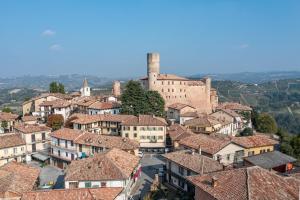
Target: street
150,165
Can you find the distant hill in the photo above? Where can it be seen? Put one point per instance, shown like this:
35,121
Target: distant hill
253,77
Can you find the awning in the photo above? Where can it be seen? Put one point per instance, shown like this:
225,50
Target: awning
40,157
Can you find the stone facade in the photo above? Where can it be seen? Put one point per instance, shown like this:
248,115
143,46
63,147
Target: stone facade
116,91
175,89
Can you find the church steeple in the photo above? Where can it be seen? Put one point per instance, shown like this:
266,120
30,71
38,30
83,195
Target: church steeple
85,90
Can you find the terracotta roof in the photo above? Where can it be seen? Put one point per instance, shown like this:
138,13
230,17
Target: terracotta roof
114,164
177,132
28,118
104,105
208,144
234,106
44,95
232,113
87,119
11,140
74,194
144,120
270,160
251,183
189,114
67,134
195,162
254,141
107,141
85,101
202,121
31,128
16,178
56,103
8,116
179,106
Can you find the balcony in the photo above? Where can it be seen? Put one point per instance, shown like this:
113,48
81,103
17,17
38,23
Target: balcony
12,156
69,148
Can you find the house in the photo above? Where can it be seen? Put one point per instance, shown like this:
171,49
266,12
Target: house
245,184
216,147
90,143
234,120
113,168
12,148
187,116
17,178
7,122
180,164
63,149
175,133
175,110
29,119
37,140
59,107
148,130
104,108
255,144
273,160
203,124
100,124
74,194
81,104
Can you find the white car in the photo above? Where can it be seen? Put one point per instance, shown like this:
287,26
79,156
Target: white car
140,154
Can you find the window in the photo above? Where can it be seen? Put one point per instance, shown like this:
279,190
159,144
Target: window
66,143
22,148
15,150
135,135
87,185
126,134
32,138
72,156
142,137
134,128
228,156
33,148
160,137
58,152
268,150
80,147
72,144
58,142
5,151
181,170
103,184
43,136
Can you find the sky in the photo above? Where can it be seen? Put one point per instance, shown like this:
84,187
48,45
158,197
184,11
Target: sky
111,38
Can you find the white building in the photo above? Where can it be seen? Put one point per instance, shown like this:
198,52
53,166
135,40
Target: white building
60,107
85,90
104,108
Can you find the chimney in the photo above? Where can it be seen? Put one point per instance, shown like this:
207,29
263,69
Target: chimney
214,181
199,150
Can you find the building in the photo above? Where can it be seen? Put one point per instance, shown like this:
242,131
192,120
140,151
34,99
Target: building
116,91
104,108
204,124
176,89
245,184
85,90
255,144
80,105
29,119
58,107
114,168
12,148
148,130
180,164
7,122
175,133
74,194
216,147
37,140
100,124
176,110
273,160
17,178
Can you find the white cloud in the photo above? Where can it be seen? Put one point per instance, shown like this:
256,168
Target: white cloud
55,47
244,46
48,33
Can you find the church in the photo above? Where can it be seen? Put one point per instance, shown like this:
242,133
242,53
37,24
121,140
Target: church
175,89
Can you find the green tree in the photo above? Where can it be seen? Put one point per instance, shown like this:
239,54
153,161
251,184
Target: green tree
4,124
265,123
7,110
55,87
61,88
247,132
156,104
55,121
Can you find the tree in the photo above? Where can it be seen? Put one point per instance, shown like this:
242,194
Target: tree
55,121
69,123
4,124
7,110
55,87
247,132
136,100
156,104
265,123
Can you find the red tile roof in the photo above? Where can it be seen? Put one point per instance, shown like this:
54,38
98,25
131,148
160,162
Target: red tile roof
8,116
144,120
254,141
31,128
253,183
114,164
87,119
177,132
11,140
67,134
179,106
234,106
29,118
202,121
104,105
74,194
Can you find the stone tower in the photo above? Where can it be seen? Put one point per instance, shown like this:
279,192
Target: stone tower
207,81
116,91
152,69
85,90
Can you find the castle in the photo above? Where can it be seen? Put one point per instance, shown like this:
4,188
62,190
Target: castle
175,89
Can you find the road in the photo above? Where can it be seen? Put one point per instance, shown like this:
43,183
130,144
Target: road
150,165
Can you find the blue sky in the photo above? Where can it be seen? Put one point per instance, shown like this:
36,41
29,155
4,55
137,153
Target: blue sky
111,38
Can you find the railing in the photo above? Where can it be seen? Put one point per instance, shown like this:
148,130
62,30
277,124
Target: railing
64,147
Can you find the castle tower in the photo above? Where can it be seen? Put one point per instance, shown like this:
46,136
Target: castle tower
116,91
207,89
85,90
152,69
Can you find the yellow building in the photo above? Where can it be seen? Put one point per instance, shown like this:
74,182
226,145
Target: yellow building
203,124
12,148
255,144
